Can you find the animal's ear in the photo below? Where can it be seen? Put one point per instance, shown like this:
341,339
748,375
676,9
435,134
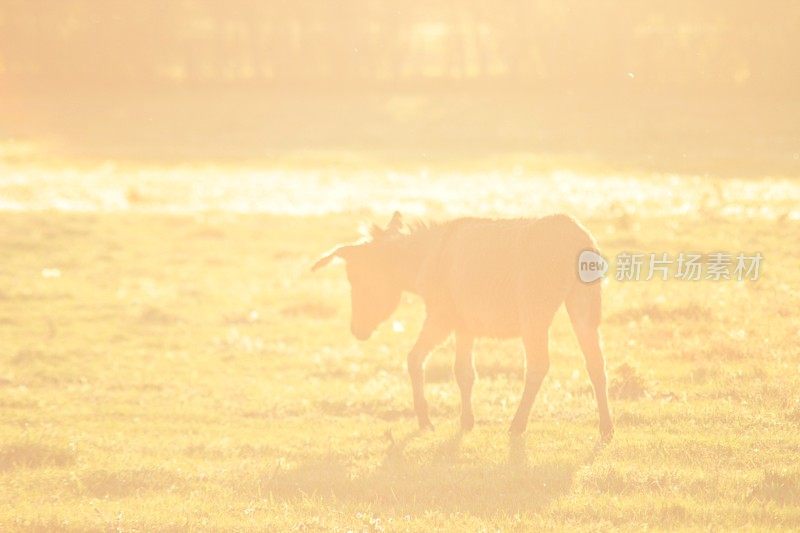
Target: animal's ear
396,223
322,261
375,232
341,251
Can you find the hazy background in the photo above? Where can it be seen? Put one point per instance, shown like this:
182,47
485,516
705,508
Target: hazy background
664,86
170,170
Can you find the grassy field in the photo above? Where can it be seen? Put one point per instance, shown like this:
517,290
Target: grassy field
186,371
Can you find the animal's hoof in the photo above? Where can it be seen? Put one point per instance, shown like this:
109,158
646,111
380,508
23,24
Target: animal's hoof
606,434
425,425
516,429
467,423
518,425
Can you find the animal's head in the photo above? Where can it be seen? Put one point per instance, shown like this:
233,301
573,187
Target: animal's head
374,288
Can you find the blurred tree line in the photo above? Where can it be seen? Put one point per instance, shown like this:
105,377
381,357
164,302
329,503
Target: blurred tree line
685,43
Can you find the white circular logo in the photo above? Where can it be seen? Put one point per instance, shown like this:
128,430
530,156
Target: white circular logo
591,266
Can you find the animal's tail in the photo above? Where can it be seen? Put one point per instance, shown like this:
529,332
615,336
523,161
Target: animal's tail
577,269
584,299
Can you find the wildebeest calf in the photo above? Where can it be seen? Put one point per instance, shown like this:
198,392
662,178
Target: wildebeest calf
480,278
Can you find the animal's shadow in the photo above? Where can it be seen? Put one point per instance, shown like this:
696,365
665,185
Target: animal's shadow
441,481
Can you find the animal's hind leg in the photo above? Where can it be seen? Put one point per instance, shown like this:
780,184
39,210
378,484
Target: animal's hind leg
464,370
537,364
583,306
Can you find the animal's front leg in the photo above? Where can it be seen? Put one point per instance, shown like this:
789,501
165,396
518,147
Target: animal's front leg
464,370
429,337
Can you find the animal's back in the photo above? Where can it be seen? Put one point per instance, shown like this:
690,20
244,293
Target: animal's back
499,275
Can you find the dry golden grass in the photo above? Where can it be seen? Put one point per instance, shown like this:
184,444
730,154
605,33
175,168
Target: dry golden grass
185,371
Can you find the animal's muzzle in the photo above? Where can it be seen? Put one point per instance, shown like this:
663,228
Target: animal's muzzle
361,333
